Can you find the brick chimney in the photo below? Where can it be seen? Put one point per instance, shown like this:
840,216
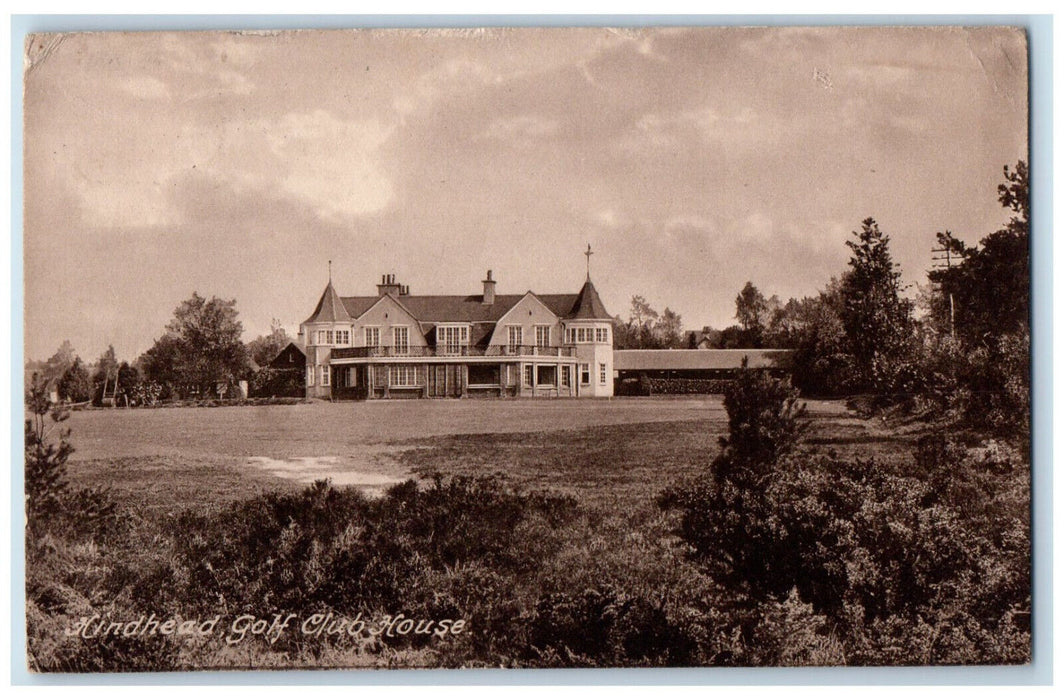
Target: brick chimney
388,285
489,291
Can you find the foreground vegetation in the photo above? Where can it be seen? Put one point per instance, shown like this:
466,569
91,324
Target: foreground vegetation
799,541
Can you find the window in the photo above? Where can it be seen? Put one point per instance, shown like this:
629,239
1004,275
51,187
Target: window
566,380
582,335
373,337
514,338
404,375
528,375
325,375
310,375
602,373
484,375
585,374
546,374
542,336
451,339
351,379
601,335
343,337
401,339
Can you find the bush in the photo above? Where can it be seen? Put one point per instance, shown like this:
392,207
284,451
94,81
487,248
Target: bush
277,382
50,504
927,564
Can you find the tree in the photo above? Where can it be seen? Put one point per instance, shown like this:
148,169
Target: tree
983,373
991,284
46,484
60,362
265,348
750,307
642,319
105,375
203,344
877,321
75,385
50,502
669,329
160,362
106,366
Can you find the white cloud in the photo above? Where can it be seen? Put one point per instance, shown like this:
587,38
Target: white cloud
441,80
331,165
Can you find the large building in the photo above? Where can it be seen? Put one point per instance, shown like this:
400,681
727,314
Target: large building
396,344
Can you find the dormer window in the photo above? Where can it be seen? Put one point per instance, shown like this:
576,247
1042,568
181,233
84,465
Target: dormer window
451,339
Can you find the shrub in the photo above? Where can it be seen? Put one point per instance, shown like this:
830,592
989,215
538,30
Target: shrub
765,421
927,564
50,504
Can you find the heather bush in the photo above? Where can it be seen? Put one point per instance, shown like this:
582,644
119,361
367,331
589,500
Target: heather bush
875,553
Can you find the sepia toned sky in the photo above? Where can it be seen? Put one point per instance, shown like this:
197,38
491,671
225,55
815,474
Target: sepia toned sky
692,160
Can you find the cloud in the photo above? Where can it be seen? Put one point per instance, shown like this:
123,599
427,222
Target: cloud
331,163
315,158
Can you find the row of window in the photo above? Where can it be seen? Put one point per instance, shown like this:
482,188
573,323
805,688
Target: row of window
334,337
453,338
586,335
406,375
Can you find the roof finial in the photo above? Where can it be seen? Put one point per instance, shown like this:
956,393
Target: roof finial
330,272
588,254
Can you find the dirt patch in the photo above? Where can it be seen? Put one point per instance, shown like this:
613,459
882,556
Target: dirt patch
372,473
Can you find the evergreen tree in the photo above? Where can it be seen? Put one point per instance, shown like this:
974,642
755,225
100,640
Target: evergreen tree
876,319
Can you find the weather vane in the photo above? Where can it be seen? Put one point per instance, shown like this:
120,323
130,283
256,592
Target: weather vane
588,254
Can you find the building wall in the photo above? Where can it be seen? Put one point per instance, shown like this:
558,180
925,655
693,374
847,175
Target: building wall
386,314
528,313
598,356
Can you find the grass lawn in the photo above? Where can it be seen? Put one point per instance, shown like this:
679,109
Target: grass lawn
618,453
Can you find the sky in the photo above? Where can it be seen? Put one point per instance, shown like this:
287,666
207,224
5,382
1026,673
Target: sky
692,160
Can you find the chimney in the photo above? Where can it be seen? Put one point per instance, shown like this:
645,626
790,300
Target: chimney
489,291
388,285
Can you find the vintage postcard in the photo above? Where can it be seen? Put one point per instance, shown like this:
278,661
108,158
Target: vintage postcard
527,348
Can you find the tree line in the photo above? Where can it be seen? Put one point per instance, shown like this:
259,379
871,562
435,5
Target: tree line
200,354
961,346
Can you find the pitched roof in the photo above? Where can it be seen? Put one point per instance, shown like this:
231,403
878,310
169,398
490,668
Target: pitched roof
330,308
462,309
291,346
649,360
588,304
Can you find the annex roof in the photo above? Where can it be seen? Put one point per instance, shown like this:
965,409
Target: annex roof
293,345
649,360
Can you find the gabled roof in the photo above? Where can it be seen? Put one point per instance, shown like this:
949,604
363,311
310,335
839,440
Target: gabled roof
291,346
462,309
330,308
588,304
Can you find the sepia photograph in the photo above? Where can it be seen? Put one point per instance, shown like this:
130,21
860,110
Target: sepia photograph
526,348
